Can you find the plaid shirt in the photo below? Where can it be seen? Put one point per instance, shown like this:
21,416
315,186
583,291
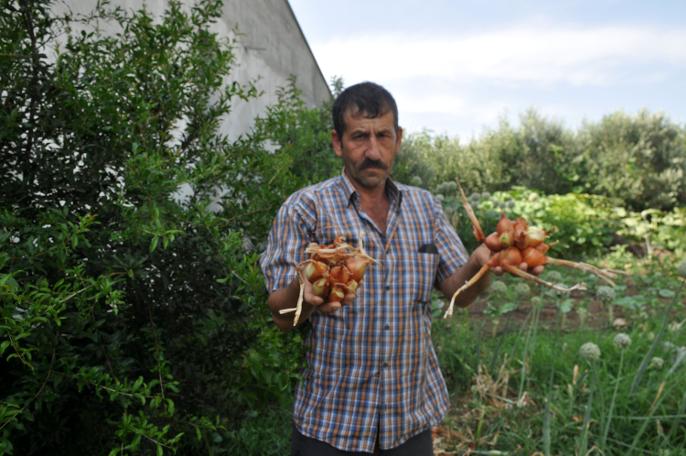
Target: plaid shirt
371,365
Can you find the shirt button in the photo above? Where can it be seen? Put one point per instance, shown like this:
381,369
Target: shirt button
388,287
386,326
385,364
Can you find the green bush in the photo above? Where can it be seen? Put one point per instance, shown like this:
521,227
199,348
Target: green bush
579,225
133,316
640,159
538,155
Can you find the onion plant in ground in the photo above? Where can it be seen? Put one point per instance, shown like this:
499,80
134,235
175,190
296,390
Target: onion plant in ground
522,383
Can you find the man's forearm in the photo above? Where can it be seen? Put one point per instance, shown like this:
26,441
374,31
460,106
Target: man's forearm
287,298
460,277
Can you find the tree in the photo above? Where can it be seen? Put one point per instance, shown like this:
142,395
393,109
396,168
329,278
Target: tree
640,159
130,308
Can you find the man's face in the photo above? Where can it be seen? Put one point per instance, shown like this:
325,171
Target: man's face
368,147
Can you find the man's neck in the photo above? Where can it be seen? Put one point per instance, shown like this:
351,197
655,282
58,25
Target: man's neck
374,202
367,195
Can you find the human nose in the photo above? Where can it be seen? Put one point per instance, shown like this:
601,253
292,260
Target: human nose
373,151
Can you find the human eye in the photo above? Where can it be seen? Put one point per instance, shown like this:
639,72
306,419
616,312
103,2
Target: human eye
385,134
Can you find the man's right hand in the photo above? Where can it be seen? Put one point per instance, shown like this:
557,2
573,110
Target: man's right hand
287,298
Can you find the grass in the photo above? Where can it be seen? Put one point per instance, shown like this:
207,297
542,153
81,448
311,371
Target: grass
526,389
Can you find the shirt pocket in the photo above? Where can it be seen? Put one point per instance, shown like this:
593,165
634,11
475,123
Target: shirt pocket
424,275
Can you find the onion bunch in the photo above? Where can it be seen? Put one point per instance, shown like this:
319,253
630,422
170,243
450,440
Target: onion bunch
516,243
518,248
333,270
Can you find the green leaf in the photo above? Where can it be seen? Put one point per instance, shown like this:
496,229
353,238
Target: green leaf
8,281
4,345
666,293
153,243
565,306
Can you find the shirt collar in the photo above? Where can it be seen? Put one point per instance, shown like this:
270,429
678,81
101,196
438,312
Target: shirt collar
392,191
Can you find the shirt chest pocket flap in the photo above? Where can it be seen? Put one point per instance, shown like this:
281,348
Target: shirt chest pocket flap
423,264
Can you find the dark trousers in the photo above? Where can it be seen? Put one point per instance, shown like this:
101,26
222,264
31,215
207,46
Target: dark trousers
419,445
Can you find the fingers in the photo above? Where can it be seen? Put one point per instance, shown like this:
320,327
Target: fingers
538,270
348,299
482,254
309,296
330,307
333,306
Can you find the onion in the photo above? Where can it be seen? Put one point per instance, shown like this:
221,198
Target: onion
332,269
542,247
533,257
320,287
504,224
352,285
534,236
494,261
521,224
337,294
339,274
537,270
356,265
315,270
520,229
524,250
511,256
492,241
506,239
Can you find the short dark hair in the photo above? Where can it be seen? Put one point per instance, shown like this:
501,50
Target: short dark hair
366,97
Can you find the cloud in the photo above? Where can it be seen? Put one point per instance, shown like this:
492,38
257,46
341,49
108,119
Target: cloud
462,83
540,53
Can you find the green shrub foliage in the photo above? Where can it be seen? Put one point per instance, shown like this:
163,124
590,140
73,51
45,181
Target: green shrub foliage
639,160
579,225
132,308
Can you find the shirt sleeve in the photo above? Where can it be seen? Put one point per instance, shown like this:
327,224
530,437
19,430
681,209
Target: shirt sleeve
451,251
286,245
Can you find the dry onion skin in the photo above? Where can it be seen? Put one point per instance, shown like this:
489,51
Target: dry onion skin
333,270
518,248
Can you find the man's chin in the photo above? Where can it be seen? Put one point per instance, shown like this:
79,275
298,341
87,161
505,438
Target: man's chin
369,178
368,182
373,182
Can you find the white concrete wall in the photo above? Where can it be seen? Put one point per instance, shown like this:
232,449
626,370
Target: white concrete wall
269,48
272,46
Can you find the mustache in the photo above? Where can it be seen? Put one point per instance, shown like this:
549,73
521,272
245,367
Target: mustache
367,164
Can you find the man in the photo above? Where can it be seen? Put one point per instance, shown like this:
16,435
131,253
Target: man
372,382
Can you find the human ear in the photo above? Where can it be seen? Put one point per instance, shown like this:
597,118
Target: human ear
336,143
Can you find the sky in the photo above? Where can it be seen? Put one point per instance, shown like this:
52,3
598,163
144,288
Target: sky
460,67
